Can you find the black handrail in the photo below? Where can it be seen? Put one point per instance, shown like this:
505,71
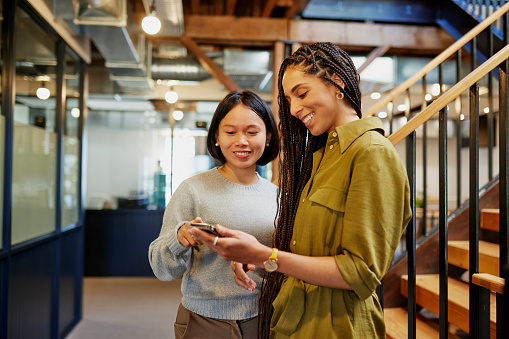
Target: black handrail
479,320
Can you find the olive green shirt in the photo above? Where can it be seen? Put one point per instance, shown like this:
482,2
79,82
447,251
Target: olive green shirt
355,207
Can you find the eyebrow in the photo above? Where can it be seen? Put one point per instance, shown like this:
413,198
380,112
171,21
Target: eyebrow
296,87
248,126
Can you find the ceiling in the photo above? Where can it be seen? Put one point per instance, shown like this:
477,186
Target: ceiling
208,47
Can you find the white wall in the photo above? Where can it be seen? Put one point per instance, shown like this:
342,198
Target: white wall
120,161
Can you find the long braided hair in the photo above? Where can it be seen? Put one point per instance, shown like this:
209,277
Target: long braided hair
322,59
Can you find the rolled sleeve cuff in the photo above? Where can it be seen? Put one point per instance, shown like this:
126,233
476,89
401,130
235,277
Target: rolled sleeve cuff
355,272
174,244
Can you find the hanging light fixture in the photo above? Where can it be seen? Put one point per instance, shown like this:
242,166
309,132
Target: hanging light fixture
171,96
42,92
178,115
151,24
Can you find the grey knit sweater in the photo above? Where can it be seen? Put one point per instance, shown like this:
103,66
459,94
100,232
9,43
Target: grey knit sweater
208,287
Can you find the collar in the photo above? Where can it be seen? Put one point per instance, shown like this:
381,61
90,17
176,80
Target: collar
346,134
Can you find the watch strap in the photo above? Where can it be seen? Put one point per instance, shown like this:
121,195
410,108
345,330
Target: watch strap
273,255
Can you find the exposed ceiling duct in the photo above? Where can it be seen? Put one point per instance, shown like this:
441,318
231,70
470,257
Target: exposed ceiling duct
127,55
171,14
183,69
100,12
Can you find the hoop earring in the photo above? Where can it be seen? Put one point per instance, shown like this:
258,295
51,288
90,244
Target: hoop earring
339,95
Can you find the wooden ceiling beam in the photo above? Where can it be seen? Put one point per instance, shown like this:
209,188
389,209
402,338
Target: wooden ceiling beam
230,7
377,52
257,9
195,7
425,40
235,28
209,64
297,7
219,7
269,8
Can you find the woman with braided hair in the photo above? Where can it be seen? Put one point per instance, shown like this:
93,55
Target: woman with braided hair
344,202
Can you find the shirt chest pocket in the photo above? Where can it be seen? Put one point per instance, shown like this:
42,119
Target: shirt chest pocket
330,197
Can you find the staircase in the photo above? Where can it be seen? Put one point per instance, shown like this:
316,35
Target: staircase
427,292
439,288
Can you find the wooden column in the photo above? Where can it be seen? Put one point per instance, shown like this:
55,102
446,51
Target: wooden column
279,56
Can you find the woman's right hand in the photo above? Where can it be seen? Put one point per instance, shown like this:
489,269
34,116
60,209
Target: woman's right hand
234,245
241,278
184,237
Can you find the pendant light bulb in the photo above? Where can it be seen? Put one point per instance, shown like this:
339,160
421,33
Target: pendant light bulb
151,24
42,92
171,97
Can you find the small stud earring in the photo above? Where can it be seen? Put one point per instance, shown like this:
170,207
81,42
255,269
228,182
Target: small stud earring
339,95
217,144
268,144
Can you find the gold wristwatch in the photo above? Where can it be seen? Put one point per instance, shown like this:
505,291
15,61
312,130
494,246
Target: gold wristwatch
271,264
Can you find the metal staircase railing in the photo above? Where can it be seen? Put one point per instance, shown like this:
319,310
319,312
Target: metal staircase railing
467,88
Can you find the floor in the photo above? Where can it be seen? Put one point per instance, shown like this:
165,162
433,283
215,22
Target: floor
127,308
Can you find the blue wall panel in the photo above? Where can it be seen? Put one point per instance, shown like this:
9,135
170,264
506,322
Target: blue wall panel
30,286
71,274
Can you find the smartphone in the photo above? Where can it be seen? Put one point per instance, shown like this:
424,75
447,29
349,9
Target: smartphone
206,227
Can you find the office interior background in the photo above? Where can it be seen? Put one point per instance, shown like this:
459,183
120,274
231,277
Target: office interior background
91,149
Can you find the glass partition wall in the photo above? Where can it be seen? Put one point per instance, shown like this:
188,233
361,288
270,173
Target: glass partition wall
41,233
71,144
35,138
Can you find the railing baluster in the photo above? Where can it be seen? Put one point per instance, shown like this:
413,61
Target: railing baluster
503,301
490,107
458,133
424,165
443,255
474,209
390,111
410,238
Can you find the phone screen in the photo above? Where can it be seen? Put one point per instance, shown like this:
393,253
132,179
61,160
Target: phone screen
206,227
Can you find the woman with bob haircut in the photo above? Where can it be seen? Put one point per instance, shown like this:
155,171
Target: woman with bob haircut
242,135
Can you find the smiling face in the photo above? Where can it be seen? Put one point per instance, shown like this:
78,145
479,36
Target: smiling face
242,138
312,100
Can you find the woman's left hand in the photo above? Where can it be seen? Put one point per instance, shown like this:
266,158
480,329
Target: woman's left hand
234,245
241,278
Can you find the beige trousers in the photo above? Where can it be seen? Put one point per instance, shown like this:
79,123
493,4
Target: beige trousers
190,325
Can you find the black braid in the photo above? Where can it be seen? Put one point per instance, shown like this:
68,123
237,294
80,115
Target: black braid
295,165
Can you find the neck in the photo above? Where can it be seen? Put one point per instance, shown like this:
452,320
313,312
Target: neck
241,176
346,117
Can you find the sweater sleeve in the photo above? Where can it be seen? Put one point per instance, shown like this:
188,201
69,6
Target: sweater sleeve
168,258
376,214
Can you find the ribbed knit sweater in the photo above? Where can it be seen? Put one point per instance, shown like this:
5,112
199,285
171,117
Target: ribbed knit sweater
208,287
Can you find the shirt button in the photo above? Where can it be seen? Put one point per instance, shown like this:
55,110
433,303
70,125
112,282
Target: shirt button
331,146
294,242
334,134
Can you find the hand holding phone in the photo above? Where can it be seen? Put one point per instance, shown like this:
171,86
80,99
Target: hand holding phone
205,227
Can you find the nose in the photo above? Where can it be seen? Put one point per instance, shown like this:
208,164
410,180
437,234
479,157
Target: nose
295,108
241,139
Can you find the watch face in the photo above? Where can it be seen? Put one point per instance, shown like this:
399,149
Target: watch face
270,265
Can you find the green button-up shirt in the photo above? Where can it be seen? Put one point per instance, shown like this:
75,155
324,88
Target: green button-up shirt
354,207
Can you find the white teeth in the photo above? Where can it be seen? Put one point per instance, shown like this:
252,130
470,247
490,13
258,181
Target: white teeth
242,153
307,118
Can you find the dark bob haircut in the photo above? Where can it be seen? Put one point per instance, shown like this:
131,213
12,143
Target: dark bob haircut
257,105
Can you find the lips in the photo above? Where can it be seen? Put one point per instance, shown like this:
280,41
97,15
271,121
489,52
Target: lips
242,154
308,117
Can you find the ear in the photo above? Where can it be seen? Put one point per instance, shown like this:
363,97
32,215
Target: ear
269,135
337,80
